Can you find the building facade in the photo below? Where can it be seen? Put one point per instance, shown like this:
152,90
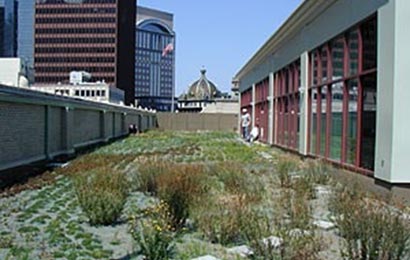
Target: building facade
331,84
1,27
25,35
93,91
154,66
13,72
8,28
97,36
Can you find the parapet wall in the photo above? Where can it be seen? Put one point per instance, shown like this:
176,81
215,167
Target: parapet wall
36,126
198,122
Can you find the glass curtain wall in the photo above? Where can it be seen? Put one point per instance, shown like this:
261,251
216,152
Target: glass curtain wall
343,96
287,112
262,108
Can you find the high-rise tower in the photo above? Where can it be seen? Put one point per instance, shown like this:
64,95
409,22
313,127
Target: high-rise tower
97,36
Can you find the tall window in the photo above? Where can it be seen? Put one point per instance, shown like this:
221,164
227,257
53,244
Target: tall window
342,99
287,82
262,108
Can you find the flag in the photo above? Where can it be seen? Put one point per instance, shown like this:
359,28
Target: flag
169,48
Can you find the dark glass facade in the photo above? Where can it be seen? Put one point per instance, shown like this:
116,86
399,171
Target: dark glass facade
25,35
8,28
1,29
154,70
96,36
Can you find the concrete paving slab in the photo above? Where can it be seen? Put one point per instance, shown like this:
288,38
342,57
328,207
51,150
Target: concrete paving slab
206,257
325,225
243,250
323,190
273,241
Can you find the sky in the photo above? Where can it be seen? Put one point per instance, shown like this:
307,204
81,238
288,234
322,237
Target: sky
220,35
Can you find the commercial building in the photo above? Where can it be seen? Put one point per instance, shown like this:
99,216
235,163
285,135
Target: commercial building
93,91
97,36
13,72
8,28
332,83
1,27
25,35
80,87
155,59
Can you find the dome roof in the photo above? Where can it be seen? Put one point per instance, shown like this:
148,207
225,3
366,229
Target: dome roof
202,89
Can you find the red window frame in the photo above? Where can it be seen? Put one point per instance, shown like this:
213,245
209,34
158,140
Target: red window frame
287,106
262,108
320,84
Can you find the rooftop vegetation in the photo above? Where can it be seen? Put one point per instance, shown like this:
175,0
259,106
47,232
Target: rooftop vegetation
175,195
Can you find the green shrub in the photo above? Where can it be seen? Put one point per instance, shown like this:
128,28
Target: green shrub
370,229
153,232
101,194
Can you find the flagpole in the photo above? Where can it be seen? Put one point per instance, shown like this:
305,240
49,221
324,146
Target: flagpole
173,75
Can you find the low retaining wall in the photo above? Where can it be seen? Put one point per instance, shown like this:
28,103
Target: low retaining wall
197,121
35,126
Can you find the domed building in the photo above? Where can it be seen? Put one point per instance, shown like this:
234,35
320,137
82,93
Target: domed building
204,96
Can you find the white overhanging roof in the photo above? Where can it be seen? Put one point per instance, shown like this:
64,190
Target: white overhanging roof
305,13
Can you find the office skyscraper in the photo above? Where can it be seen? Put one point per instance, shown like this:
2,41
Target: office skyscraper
154,67
8,28
97,36
25,35
1,27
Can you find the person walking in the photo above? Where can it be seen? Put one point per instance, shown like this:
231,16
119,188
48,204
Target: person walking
245,123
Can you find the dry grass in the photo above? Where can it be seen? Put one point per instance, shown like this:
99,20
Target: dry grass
370,229
179,185
223,220
286,165
181,188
